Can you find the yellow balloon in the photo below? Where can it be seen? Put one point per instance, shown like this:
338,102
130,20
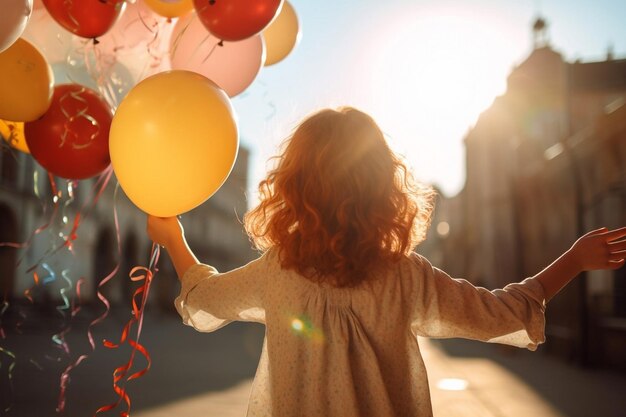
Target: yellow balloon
171,8
13,133
26,83
282,35
173,142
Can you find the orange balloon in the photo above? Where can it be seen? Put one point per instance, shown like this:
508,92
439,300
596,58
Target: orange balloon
170,8
173,142
282,35
26,83
13,134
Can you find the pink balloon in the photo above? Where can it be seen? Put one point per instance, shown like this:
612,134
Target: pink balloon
233,66
139,40
138,24
13,19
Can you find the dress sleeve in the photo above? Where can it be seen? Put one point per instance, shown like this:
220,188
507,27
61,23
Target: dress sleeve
447,307
209,300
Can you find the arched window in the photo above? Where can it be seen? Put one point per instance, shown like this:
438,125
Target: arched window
8,256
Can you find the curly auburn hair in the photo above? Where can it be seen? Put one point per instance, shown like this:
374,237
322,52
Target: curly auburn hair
340,204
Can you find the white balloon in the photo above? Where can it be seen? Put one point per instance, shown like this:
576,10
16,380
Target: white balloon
13,20
48,36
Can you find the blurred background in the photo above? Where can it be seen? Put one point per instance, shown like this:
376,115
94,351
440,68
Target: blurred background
514,110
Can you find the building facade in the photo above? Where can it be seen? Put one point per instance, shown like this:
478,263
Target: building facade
546,162
41,215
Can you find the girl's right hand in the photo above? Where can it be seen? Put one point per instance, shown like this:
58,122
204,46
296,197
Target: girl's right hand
164,230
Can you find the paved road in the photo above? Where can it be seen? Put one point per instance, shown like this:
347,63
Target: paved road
517,384
199,375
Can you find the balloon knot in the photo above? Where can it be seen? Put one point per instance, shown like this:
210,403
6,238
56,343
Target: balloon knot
211,2
220,43
95,40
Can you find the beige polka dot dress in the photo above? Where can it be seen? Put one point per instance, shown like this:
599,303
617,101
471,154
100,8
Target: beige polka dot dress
354,351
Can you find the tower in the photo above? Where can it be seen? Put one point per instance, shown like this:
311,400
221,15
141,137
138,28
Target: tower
540,33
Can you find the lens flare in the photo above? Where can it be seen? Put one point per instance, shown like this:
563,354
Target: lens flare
302,326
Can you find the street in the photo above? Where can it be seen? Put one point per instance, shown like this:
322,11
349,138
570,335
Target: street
196,375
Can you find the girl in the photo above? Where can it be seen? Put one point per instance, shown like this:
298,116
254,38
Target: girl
339,288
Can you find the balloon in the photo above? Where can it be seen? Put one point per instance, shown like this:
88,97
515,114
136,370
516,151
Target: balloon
72,139
48,36
234,20
170,8
139,41
138,25
282,35
13,134
85,18
26,83
13,19
233,66
173,141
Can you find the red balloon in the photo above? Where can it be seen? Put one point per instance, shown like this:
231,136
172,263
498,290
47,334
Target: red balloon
86,18
234,20
71,140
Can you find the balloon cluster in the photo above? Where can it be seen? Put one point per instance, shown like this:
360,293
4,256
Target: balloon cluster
144,85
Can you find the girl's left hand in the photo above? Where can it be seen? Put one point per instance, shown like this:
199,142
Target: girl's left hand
164,230
600,249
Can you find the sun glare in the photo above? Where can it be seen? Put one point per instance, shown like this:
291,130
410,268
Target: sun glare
434,72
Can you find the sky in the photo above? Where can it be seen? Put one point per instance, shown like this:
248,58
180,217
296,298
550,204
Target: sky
424,69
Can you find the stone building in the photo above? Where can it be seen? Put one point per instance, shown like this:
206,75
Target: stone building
546,162
26,205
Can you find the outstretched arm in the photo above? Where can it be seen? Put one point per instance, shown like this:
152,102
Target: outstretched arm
168,232
598,249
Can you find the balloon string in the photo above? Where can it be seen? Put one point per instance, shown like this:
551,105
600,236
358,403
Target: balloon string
71,185
107,278
220,44
28,295
5,306
99,75
153,44
81,113
50,278
28,291
178,38
55,206
10,368
120,373
65,375
59,338
10,354
100,186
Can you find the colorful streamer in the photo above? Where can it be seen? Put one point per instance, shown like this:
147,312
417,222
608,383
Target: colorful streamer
110,276
11,366
137,274
11,355
55,200
65,375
